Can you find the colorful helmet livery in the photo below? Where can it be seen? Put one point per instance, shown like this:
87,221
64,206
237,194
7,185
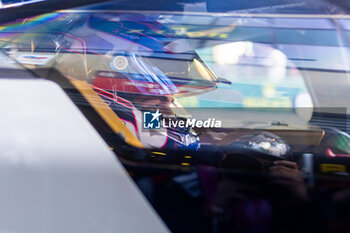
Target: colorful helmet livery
151,64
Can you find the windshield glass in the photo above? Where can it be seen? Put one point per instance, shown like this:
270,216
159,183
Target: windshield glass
193,79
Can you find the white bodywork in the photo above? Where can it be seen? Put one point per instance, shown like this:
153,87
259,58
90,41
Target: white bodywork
56,173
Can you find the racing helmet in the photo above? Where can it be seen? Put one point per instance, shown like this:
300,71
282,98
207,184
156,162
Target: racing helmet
155,68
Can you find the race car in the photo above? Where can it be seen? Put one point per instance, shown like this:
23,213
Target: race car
220,119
